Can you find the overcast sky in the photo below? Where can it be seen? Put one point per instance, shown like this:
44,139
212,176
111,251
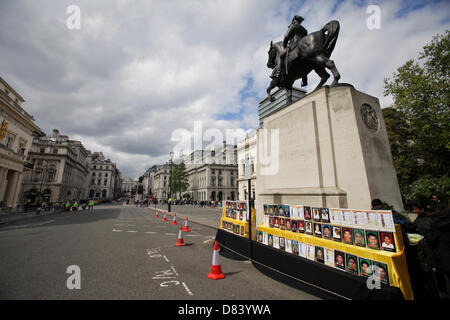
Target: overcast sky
139,70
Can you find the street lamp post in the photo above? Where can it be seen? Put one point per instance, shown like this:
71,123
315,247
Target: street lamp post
169,202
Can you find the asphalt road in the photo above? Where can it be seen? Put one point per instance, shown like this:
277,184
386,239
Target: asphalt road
123,252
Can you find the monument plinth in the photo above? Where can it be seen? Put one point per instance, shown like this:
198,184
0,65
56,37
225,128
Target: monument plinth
333,152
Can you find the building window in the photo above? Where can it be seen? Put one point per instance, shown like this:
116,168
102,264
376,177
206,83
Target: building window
213,181
105,182
93,181
51,175
93,174
55,151
42,150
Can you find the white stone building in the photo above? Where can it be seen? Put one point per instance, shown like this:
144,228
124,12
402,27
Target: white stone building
247,148
60,170
104,177
16,130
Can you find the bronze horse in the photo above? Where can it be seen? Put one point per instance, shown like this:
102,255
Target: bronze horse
315,51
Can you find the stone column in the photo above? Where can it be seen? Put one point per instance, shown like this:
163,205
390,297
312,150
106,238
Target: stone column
3,173
11,189
17,191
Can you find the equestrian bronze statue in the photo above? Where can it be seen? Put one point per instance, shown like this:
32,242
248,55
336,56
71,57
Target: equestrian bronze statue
299,53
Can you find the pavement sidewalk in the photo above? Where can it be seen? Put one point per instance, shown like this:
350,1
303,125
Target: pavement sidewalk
7,217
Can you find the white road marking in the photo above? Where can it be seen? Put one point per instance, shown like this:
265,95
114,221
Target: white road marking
165,258
150,232
170,234
174,271
132,231
114,230
187,289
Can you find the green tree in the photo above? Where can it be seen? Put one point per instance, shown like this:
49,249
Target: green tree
180,179
418,123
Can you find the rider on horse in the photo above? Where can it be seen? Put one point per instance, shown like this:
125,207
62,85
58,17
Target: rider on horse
291,49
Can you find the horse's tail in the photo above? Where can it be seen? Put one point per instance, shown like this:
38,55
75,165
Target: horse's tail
332,29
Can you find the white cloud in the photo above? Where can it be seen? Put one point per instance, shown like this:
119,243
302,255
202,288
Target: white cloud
139,70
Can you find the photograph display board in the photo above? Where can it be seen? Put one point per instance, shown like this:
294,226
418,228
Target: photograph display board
234,218
352,240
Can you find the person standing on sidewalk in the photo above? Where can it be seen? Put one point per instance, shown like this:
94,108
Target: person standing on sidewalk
91,204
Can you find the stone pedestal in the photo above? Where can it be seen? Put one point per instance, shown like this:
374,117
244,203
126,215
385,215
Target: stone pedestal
333,151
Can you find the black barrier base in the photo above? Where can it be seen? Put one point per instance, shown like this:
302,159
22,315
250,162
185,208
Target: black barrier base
309,276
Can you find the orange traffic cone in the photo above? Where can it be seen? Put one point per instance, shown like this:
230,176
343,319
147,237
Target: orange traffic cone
165,219
174,219
216,270
180,241
157,215
186,226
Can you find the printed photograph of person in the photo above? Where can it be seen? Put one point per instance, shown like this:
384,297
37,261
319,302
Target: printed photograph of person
265,210
260,236
271,222
351,263
347,235
288,245
308,228
387,241
281,210
365,269
270,239
265,238
319,257
336,233
301,226
317,230
287,223
380,272
293,225
373,241
295,247
339,259
326,228
302,250
307,213
277,222
316,214
358,238
287,210
325,215
270,210
282,243
276,242
282,220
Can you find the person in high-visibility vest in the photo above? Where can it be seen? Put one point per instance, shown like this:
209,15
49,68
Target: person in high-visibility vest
91,204
75,206
67,206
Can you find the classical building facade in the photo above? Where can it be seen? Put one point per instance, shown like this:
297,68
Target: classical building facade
16,136
213,174
60,170
160,176
104,178
247,148
128,186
